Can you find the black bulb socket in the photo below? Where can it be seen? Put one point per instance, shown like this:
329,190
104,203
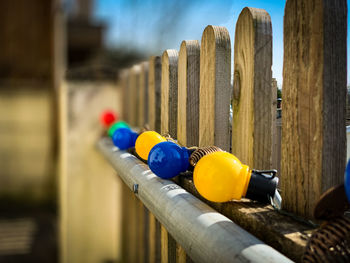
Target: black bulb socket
261,187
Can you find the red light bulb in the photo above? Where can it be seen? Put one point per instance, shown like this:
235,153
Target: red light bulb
108,117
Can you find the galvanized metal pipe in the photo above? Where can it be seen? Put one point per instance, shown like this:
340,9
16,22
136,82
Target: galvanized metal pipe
206,235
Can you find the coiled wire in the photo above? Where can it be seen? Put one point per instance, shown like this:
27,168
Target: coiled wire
201,152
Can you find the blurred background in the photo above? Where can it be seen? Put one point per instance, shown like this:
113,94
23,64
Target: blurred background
47,49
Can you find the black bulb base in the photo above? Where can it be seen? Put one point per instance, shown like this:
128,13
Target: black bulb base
261,187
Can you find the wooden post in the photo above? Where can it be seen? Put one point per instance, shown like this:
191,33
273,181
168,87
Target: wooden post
172,249
314,93
180,254
154,105
134,218
143,94
146,234
126,226
169,248
188,95
128,99
134,229
157,241
276,130
188,104
133,102
142,217
252,90
169,98
169,92
169,125
152,238
89,188
164,245
215,87
124,82
154,99
141,226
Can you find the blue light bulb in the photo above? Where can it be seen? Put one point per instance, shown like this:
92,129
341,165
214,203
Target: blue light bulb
124,138
347,181
167,159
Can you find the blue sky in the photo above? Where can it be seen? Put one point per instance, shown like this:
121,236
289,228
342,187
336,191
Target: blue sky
156,25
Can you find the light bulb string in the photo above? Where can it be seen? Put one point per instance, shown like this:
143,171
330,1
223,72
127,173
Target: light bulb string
145,128
168,137
196,153
200,152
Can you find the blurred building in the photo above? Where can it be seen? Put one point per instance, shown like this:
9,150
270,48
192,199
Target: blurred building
85,35
31,69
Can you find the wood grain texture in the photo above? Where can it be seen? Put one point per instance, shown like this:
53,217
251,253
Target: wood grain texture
125,223
158,241
168,247
180,254
276,138
146,235
252,91
314,98
133,221
169,92
128,99
143,95
164,245
171,249
134,101
215,87
141,225
169,96
188,93
152,238
154,89
124,83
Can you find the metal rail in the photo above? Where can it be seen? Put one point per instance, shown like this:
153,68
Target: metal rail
206,235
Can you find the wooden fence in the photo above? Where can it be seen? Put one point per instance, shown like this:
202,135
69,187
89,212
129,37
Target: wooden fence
188,96
188,93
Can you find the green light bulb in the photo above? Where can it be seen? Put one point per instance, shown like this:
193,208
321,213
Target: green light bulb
116,126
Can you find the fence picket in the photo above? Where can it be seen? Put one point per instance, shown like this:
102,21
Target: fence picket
276,134
180,254
164,245
215,88
140,226
188,104
188,93
314,98
133,96
154,239
143,95
169,92
124,82
154,85
252,90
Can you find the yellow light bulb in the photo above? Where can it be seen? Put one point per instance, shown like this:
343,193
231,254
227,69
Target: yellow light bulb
146,141
220,177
